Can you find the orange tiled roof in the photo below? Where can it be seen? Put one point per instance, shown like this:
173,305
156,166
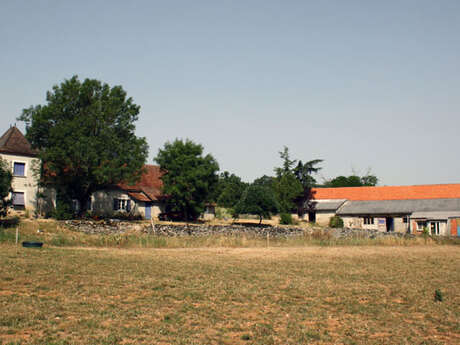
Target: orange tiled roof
434,191
150,183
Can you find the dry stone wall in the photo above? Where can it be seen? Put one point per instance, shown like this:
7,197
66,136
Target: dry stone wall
108,227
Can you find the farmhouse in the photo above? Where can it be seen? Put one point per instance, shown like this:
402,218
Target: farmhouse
142,198
16,150
406,209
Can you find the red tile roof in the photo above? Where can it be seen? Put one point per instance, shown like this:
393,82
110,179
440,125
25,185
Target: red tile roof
14,142
150,184
435,191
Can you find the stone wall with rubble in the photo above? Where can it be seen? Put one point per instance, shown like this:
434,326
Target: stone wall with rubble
122,227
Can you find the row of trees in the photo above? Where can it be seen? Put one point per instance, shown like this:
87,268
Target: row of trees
85,134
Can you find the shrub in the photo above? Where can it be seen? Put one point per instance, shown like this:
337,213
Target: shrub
62,212
336,222
438,297
286,218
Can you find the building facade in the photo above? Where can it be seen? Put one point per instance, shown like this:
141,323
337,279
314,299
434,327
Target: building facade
24,164
404,209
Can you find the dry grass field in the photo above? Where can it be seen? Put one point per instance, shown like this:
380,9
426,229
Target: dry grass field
303,295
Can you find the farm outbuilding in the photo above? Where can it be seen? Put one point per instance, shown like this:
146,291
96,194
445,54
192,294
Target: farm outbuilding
405,209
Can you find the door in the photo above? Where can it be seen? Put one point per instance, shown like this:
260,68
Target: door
389,223
434,228
458,230
148,211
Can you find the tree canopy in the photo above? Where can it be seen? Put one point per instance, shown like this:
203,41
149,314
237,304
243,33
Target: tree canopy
287,187
229,189
5,186
189,177
86,137
352,181
257,200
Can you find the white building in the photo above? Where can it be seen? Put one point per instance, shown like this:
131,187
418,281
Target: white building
23,161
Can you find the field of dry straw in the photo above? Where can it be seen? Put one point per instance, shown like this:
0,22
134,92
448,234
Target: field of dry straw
297,295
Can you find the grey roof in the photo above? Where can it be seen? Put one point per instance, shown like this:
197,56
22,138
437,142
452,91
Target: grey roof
325,205
398,206
437,215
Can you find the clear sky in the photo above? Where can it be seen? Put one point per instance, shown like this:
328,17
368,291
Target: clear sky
360,84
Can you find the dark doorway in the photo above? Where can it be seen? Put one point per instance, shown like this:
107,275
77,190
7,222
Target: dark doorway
390,224
312,217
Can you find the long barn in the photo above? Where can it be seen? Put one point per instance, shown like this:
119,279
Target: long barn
405,209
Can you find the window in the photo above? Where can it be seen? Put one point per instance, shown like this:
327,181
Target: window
421,224
19,169
405,220
18,200
121,204
368,220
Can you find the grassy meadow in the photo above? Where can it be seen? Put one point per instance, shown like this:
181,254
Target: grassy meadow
277,295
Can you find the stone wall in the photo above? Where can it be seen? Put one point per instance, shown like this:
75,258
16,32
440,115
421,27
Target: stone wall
170,230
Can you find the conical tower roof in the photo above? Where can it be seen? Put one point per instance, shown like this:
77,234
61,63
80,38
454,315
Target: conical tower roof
14,142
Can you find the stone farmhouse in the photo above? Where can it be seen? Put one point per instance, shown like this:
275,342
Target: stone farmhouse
405,209
142,198
17,152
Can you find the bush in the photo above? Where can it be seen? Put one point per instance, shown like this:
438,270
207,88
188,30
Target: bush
438,297
286,218
336,222
9,222
62,212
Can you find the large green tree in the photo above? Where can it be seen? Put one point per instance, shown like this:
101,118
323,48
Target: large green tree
86,137
229,189
5,186
287,187
257,200
189,179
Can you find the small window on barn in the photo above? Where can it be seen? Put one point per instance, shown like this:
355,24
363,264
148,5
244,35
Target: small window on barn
19,169
368,220
405,219
421,224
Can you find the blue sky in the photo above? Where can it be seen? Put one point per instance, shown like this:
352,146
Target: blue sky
360,84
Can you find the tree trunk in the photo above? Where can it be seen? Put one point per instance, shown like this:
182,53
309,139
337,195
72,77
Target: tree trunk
260,220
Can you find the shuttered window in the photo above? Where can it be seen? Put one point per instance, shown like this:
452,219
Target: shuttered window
18,199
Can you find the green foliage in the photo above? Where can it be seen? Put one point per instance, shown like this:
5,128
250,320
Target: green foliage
229,189
223,213
336,222
438,296
265,181
287,187
86,137
304,172
5,187
190,177
63,210
286,218
257,200
352,181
